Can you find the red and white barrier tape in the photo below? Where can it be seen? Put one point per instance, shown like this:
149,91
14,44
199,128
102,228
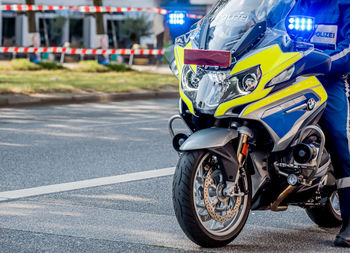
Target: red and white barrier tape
194,16
85,9
80,51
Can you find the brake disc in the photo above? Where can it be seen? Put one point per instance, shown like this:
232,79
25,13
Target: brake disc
212,206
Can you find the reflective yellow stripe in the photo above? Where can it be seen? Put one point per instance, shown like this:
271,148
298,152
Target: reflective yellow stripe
272,61
187,101
223,108
322,93
303,85
180,58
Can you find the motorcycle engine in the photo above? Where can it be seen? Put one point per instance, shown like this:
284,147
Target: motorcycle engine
305,159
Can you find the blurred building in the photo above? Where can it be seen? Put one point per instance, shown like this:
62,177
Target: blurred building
79,29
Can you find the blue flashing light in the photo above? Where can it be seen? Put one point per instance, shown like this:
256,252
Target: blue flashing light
177,18
300,27
300,23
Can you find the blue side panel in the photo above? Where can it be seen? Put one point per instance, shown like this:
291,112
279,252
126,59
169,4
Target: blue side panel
283,122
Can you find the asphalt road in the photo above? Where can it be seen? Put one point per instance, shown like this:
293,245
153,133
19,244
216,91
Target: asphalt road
43,146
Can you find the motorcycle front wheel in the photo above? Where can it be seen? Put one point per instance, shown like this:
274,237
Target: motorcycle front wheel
209,217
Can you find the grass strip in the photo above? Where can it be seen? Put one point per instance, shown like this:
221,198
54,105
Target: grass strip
44,81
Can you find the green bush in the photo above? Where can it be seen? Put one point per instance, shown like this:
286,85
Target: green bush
95,67
90,66
26,65
50,65
23,65
119,68
84,66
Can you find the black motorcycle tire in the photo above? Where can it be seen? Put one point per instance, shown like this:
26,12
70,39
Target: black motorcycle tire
184,204
325,216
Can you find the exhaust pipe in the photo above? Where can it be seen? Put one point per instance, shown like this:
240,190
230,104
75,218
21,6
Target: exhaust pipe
276,205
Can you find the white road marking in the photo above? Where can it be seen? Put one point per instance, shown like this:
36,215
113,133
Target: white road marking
57,188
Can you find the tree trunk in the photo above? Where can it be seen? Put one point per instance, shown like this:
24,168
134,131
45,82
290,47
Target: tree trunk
100,28
31,19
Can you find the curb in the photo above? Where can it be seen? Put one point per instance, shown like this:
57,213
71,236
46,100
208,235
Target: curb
78,98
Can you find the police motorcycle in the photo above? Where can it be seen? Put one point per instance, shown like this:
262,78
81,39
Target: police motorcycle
251,100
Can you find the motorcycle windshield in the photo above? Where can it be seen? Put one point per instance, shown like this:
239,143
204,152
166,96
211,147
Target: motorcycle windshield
229,20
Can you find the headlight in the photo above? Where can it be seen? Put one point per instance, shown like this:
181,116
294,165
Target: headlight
243,83
189,82
208,89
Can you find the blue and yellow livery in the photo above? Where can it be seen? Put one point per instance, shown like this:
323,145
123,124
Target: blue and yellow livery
251,97
279,106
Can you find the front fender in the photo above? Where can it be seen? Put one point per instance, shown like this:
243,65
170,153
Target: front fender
209,138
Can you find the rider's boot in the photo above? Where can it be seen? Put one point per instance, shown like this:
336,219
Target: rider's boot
343,238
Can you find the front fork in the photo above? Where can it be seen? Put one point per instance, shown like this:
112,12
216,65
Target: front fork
242,149
242,152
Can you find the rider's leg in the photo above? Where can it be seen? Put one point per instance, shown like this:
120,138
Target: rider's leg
335,123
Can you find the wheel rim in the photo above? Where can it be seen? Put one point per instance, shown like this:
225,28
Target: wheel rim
229,211
334,200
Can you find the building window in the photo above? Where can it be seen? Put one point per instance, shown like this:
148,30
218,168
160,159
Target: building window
9,31
51,31
76,38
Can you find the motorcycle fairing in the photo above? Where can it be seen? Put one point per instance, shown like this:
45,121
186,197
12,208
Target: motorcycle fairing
300,85
283,113
280,107
272,61
180,59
